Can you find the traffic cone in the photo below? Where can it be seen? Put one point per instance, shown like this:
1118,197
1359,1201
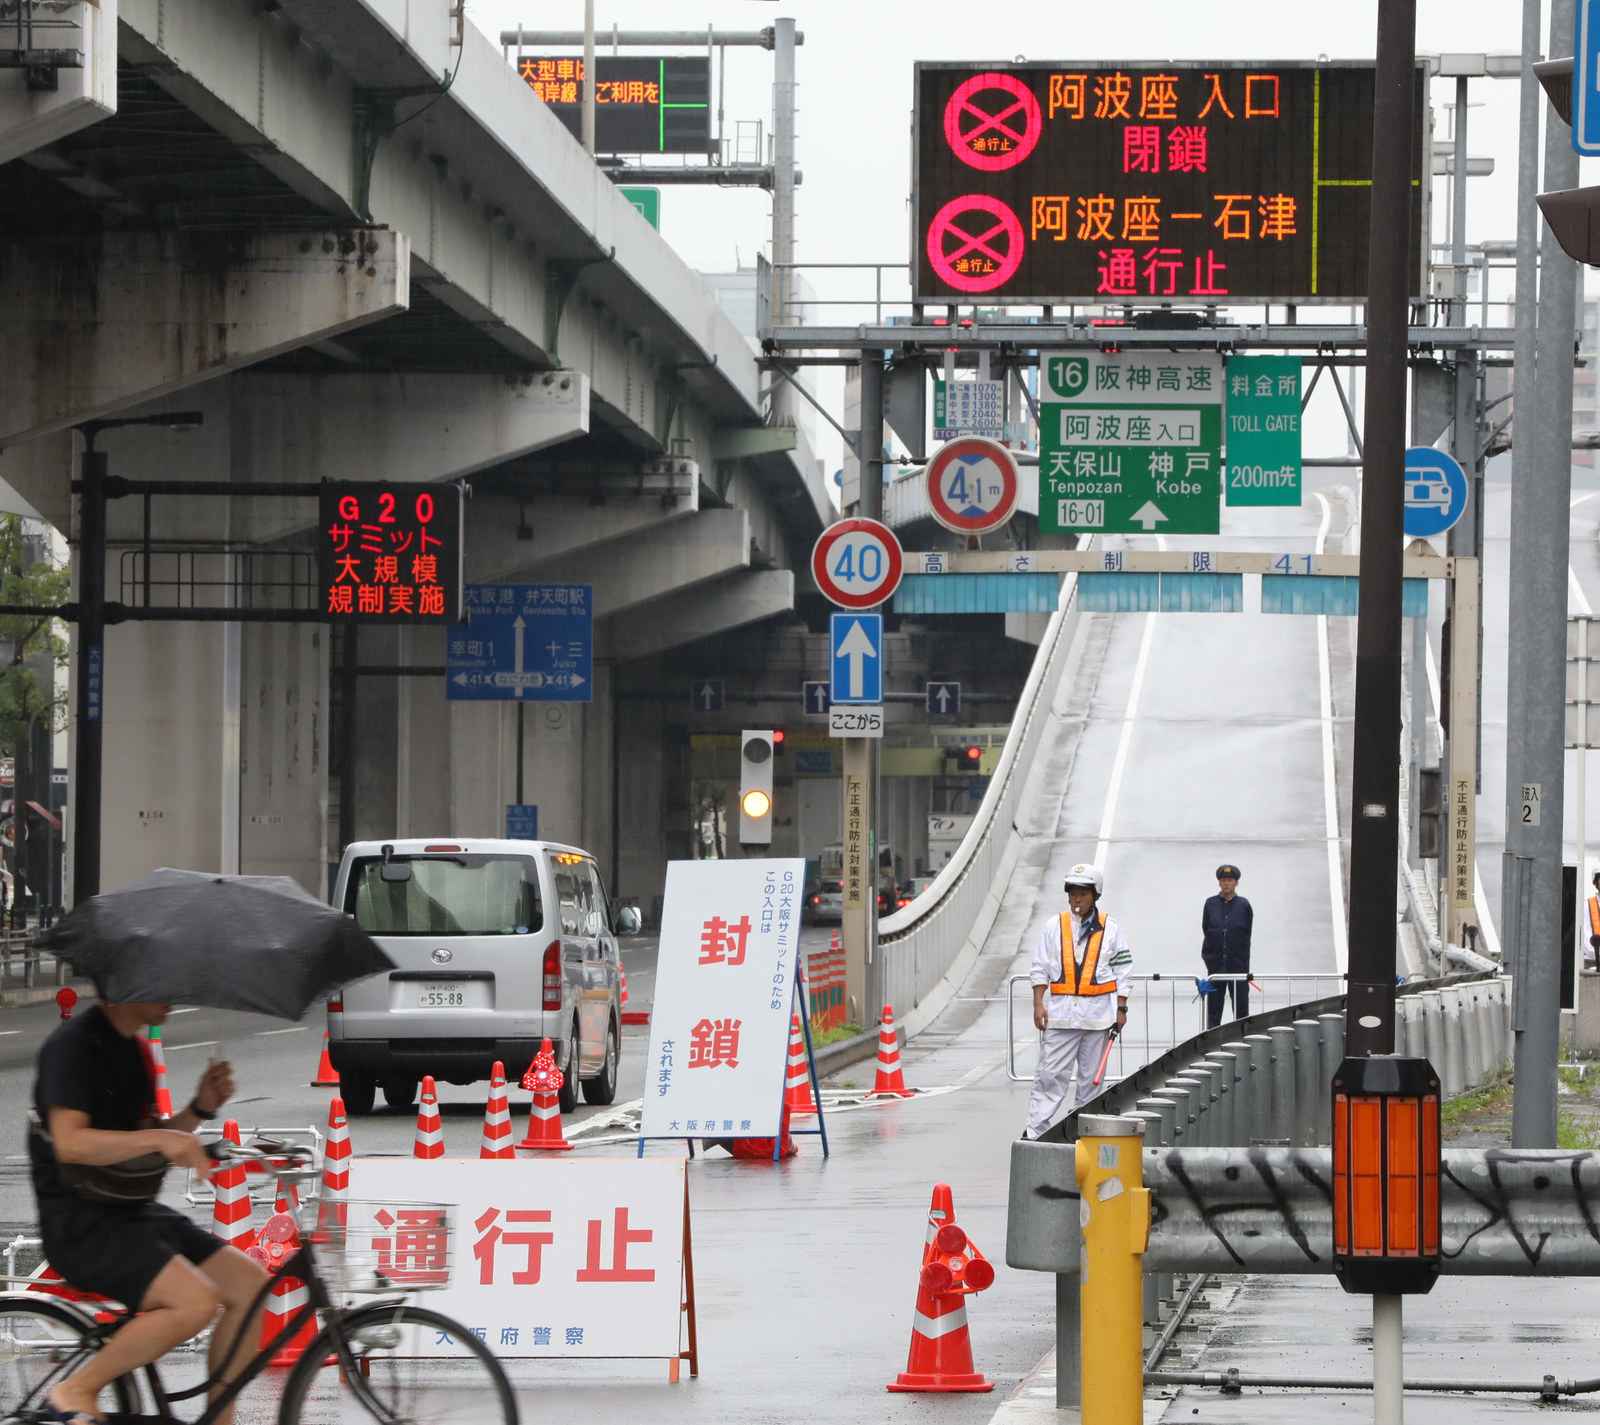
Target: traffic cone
430,1132
544,1080
230,1209
797,1084
336,1154
623,971
497,1118
280,1240
890,1082
163,1095
941,1347
757,1149
327,1076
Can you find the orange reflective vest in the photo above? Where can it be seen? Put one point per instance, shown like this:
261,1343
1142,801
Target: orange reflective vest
1084,984
1594,915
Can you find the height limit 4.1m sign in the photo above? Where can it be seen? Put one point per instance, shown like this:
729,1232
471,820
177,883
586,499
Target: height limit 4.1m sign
1131,443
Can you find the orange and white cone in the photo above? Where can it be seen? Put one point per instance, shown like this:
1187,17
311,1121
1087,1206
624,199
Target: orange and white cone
430,1132
941,1346
889,1082
797,1083
497,1118
230,1208
544,1080
163,1094
327,1076
335,1165
278,1242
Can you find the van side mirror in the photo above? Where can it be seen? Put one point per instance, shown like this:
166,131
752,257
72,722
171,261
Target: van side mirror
395,871
629,921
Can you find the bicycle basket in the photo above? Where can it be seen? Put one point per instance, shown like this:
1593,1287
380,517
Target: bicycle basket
383,1247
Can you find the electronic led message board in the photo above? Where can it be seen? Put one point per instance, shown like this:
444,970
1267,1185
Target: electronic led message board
642,104
389,552
1179,182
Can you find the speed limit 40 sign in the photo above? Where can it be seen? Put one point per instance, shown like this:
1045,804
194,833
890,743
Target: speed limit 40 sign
857,563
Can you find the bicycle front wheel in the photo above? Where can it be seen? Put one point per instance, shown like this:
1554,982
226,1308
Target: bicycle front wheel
393,1381
42,1343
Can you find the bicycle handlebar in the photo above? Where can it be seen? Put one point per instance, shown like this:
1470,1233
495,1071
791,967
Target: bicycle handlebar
269,1153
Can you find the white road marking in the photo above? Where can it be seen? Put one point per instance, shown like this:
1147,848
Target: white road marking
1330,776
297,1029
4,1032
187,1009
203,1044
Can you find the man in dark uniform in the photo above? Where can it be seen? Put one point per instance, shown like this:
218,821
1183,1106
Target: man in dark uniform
1225,925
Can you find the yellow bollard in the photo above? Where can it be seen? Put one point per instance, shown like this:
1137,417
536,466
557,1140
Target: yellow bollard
1115,1215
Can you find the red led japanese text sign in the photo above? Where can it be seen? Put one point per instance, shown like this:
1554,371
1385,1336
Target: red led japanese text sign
1192,182
390,553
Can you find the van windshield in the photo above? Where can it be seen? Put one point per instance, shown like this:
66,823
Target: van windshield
446,895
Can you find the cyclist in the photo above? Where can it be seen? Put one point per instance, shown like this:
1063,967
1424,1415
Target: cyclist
95,1102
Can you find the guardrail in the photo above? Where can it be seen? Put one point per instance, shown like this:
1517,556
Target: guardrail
1159,1000
927,947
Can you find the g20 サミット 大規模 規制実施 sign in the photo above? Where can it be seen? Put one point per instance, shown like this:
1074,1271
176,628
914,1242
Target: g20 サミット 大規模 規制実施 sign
1175,182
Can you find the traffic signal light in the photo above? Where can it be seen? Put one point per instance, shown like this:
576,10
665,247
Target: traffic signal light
1573,213
777,737
755,788
963,759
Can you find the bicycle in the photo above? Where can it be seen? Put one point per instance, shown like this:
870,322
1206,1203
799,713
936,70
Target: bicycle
353,1369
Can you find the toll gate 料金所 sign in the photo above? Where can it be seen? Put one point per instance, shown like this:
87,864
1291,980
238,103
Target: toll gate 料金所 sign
1176,182
389,552
725,977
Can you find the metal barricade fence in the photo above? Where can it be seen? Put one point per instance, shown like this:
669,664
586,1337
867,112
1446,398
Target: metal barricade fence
1165,1010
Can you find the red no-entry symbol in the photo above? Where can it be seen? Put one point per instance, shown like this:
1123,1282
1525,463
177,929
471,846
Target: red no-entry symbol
975,243
998,132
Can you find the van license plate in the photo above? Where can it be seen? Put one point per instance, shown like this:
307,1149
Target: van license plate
443,994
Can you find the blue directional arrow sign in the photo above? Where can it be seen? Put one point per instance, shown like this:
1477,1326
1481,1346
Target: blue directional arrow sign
1585,77
944,698
857,646
705,695
529,641
816,697
1436,491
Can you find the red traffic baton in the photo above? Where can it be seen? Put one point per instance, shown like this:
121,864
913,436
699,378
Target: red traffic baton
1105,1057
66,998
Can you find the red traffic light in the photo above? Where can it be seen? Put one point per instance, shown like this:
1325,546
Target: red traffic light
972,756
777,737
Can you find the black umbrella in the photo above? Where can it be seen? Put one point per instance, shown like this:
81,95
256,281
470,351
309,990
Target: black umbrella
257,943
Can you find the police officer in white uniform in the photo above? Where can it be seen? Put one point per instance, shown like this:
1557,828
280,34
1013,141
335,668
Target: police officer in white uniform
1077,995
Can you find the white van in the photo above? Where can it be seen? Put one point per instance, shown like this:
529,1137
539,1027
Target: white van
498,945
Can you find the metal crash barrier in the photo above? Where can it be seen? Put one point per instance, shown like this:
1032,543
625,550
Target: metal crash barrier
1233,1126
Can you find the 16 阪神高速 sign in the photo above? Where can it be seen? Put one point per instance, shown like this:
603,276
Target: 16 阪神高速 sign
1131,443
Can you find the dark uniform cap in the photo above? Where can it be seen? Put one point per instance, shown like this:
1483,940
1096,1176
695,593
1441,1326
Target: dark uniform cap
1232,871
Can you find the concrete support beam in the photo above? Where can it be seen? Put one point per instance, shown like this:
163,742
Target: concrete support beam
652,565
31,118
732,602
559,527
138,316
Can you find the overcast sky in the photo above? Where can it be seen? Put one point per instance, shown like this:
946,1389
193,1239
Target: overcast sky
855,92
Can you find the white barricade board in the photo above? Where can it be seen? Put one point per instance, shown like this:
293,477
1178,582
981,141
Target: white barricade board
719,1023
551,1257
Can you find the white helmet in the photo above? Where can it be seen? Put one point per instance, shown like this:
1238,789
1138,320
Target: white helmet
1084,874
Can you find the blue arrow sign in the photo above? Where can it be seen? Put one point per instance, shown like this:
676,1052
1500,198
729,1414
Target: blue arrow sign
1436,491
856,641
1585,76
944,699
705,696
529,641
816,697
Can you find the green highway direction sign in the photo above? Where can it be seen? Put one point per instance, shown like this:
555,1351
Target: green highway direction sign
1131,443
647,201
1263,430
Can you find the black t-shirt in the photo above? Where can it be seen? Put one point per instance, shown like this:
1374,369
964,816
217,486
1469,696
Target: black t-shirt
85,1064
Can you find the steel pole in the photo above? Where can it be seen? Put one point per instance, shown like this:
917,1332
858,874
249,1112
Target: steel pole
1540,525
89,754
1388,1360
870,448
1374,832
1523,463
589,78
348,682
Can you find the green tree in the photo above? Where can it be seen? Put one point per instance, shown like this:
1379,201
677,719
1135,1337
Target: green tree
26,696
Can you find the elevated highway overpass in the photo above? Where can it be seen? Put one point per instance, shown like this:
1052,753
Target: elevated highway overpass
353,239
